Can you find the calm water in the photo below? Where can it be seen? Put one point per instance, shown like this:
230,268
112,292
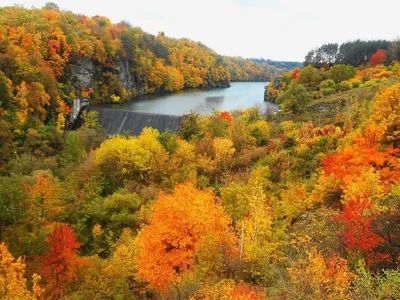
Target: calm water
240,95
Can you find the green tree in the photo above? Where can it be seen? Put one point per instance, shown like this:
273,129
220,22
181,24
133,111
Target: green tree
51,6
295,98
309,78
7,147
190,127
340,73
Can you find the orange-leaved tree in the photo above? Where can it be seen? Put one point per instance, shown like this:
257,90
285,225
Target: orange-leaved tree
365,172
188,229
59,265
351,161
44,201
362,201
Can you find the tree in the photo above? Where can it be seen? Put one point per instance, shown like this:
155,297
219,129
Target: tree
59,265
340,73
231,290
223,152
387,114
295,73
295,98
13,201
309,78
43,196
115,213
5,91
90,119
327,87
316,276
379,57
38,99
133,158
259,234
51,6
357,222
351,161
188,229
12,280
7,146
190,127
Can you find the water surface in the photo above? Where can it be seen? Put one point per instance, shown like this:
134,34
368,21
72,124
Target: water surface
240,95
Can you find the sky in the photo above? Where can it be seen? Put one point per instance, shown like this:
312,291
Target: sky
275,29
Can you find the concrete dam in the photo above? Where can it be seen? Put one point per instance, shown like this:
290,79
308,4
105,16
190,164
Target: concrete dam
118,121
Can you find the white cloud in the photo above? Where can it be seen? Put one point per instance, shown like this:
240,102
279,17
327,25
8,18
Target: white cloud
282,30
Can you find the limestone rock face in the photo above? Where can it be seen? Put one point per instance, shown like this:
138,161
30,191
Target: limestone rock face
125,75
128,78
83,73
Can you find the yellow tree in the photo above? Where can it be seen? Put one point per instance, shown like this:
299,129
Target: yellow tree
387,114
259,237
122,159
228,289
12,280
260,241
319,277
224,151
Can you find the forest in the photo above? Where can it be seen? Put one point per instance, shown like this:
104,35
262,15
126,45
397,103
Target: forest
50,57
239,205
355,53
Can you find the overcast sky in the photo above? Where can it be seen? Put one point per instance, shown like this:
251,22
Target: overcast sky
276,29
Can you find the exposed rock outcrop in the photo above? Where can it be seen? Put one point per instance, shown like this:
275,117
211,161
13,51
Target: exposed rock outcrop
83,72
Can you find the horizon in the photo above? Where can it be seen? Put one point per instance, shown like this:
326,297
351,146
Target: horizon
304,22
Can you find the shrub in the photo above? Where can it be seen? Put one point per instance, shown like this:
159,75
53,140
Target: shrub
344,86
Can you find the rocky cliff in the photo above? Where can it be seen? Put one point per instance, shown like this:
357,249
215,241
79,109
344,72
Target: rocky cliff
85,72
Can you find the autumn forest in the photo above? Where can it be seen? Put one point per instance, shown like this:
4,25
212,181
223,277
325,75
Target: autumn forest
248,204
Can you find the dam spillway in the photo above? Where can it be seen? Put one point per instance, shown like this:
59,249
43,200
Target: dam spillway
119,121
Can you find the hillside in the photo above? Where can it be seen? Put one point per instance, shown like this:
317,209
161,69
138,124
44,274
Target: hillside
303,203
286,65
49,57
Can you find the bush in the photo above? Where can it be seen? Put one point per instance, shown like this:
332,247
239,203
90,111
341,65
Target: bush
327,87
327,91
295,98
344,86
372,83
340,73
356,83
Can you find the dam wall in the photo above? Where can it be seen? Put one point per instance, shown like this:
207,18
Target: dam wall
119,121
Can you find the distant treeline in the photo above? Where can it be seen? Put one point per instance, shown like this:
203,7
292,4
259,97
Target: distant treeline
287,65
241,69
353,53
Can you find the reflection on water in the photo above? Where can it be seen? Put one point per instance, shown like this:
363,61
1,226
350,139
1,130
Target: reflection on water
240,95
214,99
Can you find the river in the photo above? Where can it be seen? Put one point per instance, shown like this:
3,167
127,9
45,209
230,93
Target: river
240,95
